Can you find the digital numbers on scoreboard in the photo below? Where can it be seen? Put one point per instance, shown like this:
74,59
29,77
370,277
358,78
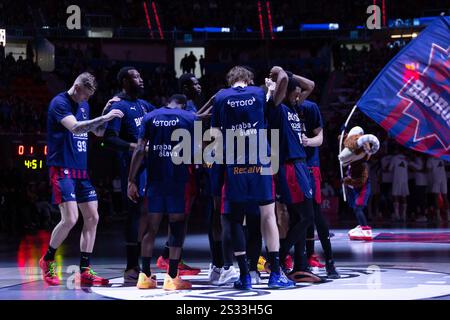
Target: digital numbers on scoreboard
31,156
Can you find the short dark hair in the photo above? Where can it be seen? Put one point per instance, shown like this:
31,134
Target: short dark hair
292,84
179,98
185,80
123,72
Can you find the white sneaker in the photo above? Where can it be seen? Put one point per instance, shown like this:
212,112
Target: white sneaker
361,233
256,278
228,276
214,274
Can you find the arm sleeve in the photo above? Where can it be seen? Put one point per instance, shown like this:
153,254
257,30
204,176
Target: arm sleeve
113,141
114,124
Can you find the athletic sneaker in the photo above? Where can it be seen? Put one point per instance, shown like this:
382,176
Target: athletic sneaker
89,277
314,262
186,270
49,272
305,276
162,263
288,263
331,270
183,269
278,280
256,277
228,276
361,233
131,275
176,283
244,283
145,282
261,264
214,274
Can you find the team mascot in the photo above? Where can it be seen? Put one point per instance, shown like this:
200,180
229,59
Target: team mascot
357,150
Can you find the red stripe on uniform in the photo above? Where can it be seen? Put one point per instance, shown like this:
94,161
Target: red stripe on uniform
294,187
360,200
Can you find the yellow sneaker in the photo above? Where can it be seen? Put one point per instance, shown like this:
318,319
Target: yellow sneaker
176,283
261,264
145,282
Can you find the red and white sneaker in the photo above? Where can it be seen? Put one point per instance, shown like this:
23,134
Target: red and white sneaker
89,277
314,262
185,270
49,272
361,233
288,263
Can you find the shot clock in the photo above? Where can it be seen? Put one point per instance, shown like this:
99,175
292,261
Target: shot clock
31,156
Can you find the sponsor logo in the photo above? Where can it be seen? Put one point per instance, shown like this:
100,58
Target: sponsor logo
241,103
165,123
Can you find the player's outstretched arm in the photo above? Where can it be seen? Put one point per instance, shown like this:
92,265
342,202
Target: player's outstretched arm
78,127
136,161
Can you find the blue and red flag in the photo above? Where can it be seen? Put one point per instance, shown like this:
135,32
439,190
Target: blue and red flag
410,98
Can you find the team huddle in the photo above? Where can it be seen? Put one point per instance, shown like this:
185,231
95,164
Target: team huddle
249,199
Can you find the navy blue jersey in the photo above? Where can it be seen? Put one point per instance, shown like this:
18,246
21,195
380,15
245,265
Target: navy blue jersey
287,121
66,149
311,119
241,110
157,127
133,112
190,106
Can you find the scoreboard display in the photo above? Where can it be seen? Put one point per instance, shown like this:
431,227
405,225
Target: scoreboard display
30,156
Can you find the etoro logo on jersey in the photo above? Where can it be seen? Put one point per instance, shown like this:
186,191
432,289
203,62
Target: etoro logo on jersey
166,123
241,103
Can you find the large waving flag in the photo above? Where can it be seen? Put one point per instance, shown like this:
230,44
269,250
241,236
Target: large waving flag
410,98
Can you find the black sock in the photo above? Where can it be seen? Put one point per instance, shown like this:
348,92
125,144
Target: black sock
50,254
146,262
309,247
243,265
173,268
274,260
84,260
132,256
217,254
165,254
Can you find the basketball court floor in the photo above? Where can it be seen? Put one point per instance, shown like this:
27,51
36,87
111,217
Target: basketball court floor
400,264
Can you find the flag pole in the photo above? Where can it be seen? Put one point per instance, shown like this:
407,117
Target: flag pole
340,149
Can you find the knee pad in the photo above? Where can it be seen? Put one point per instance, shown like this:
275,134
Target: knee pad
176,237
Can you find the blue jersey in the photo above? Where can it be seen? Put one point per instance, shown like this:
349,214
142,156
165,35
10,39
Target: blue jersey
287,121
133,112
157,127
190,106
66,149
127,128
311,119
241,111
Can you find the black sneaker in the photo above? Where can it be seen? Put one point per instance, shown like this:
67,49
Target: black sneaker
306,275
331,270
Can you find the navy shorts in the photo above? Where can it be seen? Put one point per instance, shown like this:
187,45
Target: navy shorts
247,184
294,182
359,196
167,197
71,185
